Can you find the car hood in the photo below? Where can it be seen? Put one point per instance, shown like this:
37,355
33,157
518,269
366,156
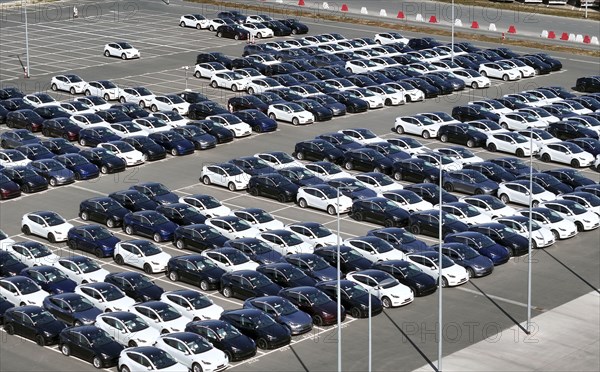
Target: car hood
328,273
109,242
86,168
112,349
53,327
166,198
152,292
267,258
89,314
304,281
268,290
299,317
14,269
63,286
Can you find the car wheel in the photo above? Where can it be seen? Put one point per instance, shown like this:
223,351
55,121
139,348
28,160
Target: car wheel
51,238
211,28
110,223
85,216
479,192
174,152
104,169
253,191
122,99
132,344
504,126
54,87
261,343
106,97
98,253
357,216
545,158
300,155
444,138
444,282
398,176
196,367
302,203
142,104
331,210
97,363
124,369
128,230
119,260
204,285
575,163
470,143
65,350
236,37
206,180
474,85
82,142
505,77
386,302
504,198
536,71
483,73
535,203
449,187
399,129
156,237
234,88
520,153
257,129
415,229
180,244
219,34
39,339
491,147
10,329
153,108
106,53
88,93
348,165
26,230
148,269
295,121
388,223
259,35
213,84
227,292
470,272
72,91
26,189
231,186
281,198
377,170
425,134
355,312
317,320
251,91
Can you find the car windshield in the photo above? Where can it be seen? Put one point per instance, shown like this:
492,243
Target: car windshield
259,280
381,246
199,345
551,215
316,263
577,208
506,232
199,301
573,147
470,211
99,233
148,248
410,270
98,338
54,275
26,286
290,239
52,219
239,224
446,262
79,303
25,172
319,231
448,218
88,266
161,359
231,169
537,189
260,321
236,257
39,250
41,317
226,331
388,283
135,324
111,293
317,298
158,189
167,313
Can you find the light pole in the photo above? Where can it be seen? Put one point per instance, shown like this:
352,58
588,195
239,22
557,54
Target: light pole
530,227
339,297
452,38
186,68
440,278
27,70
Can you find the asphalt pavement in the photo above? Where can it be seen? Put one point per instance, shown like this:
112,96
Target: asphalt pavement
404,338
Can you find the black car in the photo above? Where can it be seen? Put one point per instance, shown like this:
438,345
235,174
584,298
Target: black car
492,171
400,239
286,275
244,284
16,103
296,26
540,67
257,250
409,275
213,57
367,159
61,127
200,110
427,223
380,211
415,170
102,209
198,237
156,191
283,68
135,285
224,337
10,92
350,259
215,129
9,264
34,323
133,200
320,112
246,102
50,279
566,130
429,90
233,32
91,344
548,182
196,135
113,115
589,84
254,166
462,134
150,149
59,146
181,213
353,104
314,266
340,140
51,112
571,177
473,112
353,297
273,185
193,97
279,29
516,244
313,301
512,165
258,325
71,308
300,176
29,181
442,84
133,110
25,118
195,269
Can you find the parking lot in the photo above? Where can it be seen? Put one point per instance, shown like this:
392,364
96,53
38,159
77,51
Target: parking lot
403,338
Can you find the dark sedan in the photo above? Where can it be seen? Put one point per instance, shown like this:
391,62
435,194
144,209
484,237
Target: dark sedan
135,285
259,326
570,177
368,159
62,128
259,122
516,244
313,301
244,284
224,337
104,210
95,239
482,244
83,169
286,275
215,129
28,180
91,344
400,239
133,200
409,275
283,312
469,181
380,211
353,297
105,160
462,134
427,223
273,185
416,170
34,323
151,150
71,308
196,270
50,279
492,171
149,224
467,257
198,237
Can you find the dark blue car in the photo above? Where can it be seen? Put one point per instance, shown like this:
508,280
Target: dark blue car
257,250
400,239
259,122
106,161
224,337
93,136
133,200
44,331
431,193
314,266
59,146
513,165
35,151
408,274
482,244
379,210
103,209
283,311
259,326
516,244
150,224
173,142
9,264
157,192
135,285
50,279
28,180
427,223
195,269
469,181
351,260
83,169
198,237
352,188
492,171
286,275
17,137
197,135
71,308
476,264
570,177
95,239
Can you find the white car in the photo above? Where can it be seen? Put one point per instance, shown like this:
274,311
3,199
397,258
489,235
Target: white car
258,18
81,269
152,124
373,99
385,61
174,119
490,205
374,249
567,153
237,127
441,117
390,38
215,23
465,212
341,84
573,106
327,171
492,105
248,74
584,219
124,151
76,107
96,103
361,65
589,201
411,94
193,351
258,218
208,69
197,21
540,114
472,78
229,80
127,329
259,85
540,137
103,88
285,242
206,204
363,136
525,70
541,236
452,274
257,30
192,304
22,291
122,50
89,121
314,233
546,96
378,182
439,160
229,259
160,315
424,67
323,197
139,95
520,121
279,159
290,112
417,124
390,96
5,241
169,102
459,154
69,83
409,145
13,158
142,360
407,200
40,99
226,175
526,98
105,296
32,253
589,122
47,224
511,142
142,254
561,228
305,90
233,227
499,71
126,129
383,286
518,192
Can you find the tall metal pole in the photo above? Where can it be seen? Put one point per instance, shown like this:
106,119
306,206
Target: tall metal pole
28,72
440,278
530,228
452,42
339,296
370,343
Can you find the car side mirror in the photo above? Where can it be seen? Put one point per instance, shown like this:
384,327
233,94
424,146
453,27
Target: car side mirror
527,193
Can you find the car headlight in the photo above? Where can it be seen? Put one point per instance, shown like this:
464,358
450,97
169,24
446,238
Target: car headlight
140,340
47,334
206,362
104,356
451,276
154,263
270,337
